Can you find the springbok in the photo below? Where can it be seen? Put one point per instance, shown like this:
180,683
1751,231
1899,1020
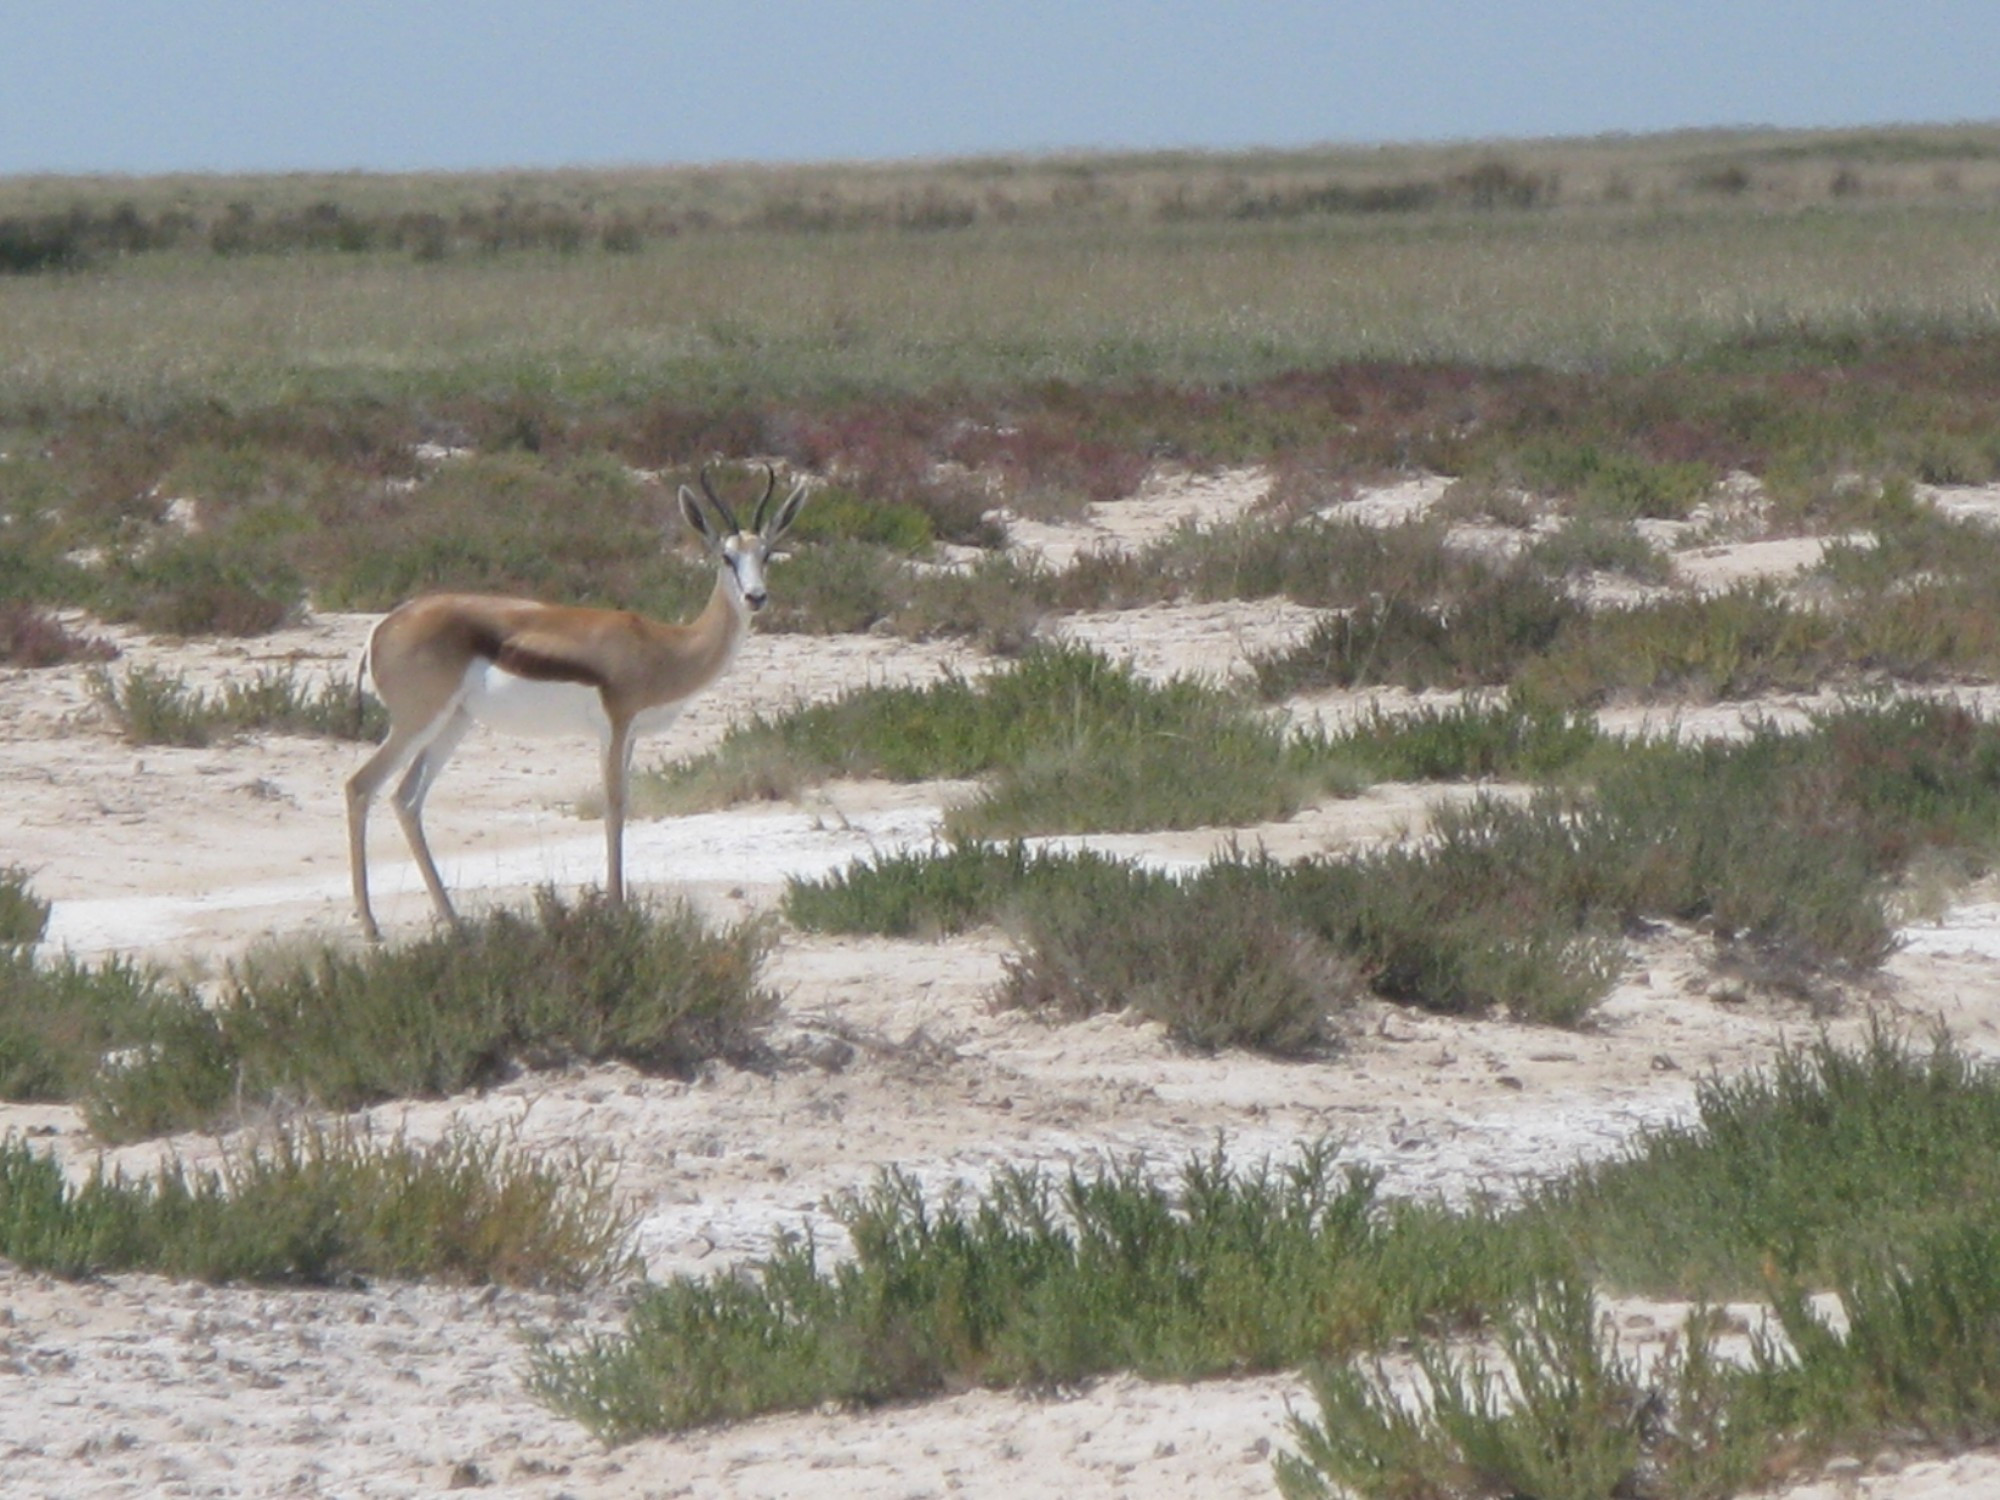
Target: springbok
444,662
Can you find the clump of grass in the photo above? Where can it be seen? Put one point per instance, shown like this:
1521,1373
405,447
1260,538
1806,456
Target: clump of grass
32,637
1074,742
1918,1355
1611,482
1561,1414
1784,846
59,1019
321,1207
24,916
1464,741
153,706
1035,1281
1250,971
1595,544
1766,1178
952,887
458,1010
1481,638
201,586
1040,1279
1757,1196
1734,644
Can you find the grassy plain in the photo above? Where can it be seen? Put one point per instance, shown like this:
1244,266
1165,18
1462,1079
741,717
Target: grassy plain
364,386
819,284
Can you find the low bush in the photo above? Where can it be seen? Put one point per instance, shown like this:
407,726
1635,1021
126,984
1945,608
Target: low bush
1464,741
1040,1279
565,983
320,1207
61,1019
1037,1280
1073,742
24,916
950,888
1501,621
1758,1196
463,1009
32,637
1783,846
152,706
1560,1414
1247,972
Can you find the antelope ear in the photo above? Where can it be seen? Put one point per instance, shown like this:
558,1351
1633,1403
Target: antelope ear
691,512
787,513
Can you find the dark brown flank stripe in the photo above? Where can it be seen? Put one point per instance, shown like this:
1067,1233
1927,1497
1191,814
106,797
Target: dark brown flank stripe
534,665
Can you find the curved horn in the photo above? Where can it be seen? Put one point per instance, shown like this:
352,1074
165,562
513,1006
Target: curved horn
763,500
716,500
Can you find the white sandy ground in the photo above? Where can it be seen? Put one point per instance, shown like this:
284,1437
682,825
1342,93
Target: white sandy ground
135,1386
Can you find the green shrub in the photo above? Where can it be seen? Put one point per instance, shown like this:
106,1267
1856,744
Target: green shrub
1560,1414
155,707
1484,636
24,916
320,1207
457,1010
1036,1281
947,889
1226,962
199,586
1075,743
1464,741
60,1019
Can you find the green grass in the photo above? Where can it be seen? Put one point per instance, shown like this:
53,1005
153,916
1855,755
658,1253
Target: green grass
1764,1197
1784,847
320,1207
24,916
152,706
1037,1280
339,1029
1041,1279
1070,740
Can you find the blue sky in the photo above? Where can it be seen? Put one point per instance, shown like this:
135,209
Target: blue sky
237,85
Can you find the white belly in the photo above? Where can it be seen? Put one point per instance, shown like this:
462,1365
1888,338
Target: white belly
537,709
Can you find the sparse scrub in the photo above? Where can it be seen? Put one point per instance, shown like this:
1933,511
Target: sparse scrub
1766,1178
32,637
1463,741
24,916
1784,847
1038,1281
152,706
320,1206
1495,625
1757,1197
1249,971
1075,743
144,1055
567,983
196,587
1610,484
61,1018
1591,544
950,888
1560,1419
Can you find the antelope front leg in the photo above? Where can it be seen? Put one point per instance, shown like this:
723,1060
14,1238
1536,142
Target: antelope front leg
617,775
